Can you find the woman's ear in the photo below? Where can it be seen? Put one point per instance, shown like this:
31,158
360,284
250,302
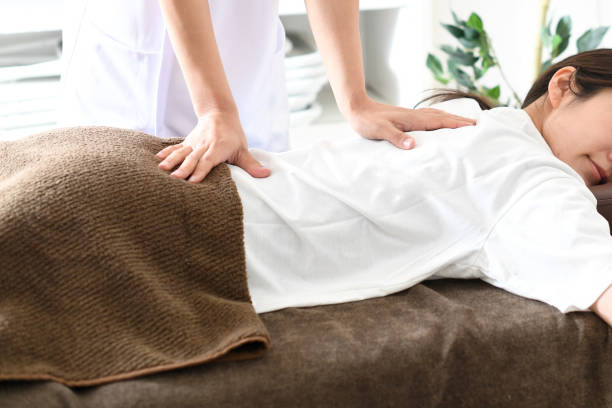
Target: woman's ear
560,85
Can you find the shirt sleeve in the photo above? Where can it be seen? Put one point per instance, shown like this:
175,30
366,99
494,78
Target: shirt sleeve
551,245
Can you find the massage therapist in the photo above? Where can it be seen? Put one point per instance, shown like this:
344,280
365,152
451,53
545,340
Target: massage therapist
212,71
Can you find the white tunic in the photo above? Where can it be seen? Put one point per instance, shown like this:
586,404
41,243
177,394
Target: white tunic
120,68
354,219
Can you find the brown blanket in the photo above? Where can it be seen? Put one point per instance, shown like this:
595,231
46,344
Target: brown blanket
110,268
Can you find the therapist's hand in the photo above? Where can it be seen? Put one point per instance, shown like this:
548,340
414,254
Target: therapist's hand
374,120
218,137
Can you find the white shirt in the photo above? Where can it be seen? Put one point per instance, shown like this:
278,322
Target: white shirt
120,68
355,219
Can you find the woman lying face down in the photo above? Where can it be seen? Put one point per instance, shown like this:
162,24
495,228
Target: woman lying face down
505,201
575,119
577,124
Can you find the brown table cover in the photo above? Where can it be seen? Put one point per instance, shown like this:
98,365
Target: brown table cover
603,193
446,343
111,269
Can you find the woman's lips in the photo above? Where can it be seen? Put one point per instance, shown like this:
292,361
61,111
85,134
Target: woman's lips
600,174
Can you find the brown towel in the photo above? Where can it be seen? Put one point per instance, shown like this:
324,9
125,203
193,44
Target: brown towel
110,268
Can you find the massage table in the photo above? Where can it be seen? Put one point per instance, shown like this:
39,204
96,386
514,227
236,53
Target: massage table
442,343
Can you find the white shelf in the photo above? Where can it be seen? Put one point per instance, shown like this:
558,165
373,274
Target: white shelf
296,7
27,107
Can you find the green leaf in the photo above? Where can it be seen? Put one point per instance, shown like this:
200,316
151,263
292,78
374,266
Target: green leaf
475,22
564,30
556,41
487,62
591,39
468,37
546,37
546,64
469,43
477,72
459,56
483,43
442,80
455,31
458,21
563,46
492,93
434,65
470,33
564,27
461,76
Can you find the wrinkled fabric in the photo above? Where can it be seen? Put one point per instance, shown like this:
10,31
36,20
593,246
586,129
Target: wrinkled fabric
445,343
110,268
352,219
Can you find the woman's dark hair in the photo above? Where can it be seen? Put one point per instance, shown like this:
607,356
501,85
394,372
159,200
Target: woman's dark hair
593,73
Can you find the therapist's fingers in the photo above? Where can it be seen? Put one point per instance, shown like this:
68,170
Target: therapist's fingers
248,163
204,166
431,119
190,163
242,159
162,154
176,157
396,137
374,120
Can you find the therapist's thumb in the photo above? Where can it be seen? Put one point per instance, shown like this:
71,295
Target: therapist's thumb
400,139
248,163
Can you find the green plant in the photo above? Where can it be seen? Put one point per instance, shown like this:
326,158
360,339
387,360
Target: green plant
556,43
467,64
475,54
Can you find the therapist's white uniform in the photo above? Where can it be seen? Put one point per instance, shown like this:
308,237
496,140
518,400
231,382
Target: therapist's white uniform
121,70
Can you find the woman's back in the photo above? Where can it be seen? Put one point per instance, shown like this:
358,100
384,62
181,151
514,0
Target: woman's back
351,219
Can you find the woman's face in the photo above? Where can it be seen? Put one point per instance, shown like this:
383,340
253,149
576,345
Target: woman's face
579,132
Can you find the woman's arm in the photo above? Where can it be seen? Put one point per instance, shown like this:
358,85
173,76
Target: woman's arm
335,25
603,306
218,136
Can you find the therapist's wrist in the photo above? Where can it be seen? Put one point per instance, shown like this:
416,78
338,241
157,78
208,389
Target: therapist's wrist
216,110
219,114
355,104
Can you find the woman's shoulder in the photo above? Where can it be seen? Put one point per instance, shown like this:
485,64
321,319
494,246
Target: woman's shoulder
506,120
466,107
500,117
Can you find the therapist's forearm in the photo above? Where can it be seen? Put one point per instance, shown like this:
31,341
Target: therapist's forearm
335,25
190,29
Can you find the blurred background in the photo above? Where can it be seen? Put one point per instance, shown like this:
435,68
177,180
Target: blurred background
397,36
